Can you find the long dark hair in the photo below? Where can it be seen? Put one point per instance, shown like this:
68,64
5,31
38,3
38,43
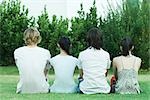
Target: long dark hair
94,38
126,45
64,43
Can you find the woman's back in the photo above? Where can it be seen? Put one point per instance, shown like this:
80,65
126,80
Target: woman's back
127,69
129,62
64,67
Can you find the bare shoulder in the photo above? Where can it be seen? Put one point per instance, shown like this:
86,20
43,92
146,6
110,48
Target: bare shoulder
138,62
116,59
138,59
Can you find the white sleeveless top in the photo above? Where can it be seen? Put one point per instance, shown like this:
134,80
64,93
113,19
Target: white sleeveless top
127,82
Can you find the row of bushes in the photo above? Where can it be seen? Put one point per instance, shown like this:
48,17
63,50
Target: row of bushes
132,19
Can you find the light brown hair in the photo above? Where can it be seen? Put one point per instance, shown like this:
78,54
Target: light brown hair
32,36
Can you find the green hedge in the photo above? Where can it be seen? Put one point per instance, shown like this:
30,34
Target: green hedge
133,19
13,21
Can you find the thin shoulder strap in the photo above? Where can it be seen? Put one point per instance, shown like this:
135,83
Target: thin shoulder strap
134,63
122,63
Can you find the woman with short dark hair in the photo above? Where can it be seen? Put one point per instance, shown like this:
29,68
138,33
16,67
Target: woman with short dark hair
64,66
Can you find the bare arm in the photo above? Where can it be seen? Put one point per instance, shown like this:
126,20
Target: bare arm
106,72
81,73
47,67
45,72
139,63
115,69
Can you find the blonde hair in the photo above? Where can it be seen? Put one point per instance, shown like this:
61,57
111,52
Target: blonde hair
32,36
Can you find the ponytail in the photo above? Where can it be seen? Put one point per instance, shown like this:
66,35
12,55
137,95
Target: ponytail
126,45
65,43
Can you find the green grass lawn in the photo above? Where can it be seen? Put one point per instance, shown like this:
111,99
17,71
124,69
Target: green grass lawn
9,78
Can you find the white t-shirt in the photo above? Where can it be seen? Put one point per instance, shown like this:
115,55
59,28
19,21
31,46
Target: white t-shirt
94,64
31,63
64,67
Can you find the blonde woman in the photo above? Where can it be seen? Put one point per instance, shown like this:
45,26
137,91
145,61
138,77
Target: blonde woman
31,61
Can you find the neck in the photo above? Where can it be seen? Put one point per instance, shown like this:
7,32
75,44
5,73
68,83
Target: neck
62,52
130,54
32,46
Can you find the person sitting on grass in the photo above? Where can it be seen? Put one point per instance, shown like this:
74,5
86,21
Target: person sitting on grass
94,62
126,69
31,61
64,66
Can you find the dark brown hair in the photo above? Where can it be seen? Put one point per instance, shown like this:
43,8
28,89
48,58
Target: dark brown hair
64,43
126,45
94,38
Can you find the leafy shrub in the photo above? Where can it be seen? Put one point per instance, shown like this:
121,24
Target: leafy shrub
13,22
132,19
51,31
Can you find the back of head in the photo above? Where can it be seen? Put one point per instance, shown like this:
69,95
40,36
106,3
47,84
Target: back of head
94,38
32,36
64,44
126,45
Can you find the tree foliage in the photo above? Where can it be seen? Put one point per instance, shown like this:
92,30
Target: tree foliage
51,31
13,22
132,19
